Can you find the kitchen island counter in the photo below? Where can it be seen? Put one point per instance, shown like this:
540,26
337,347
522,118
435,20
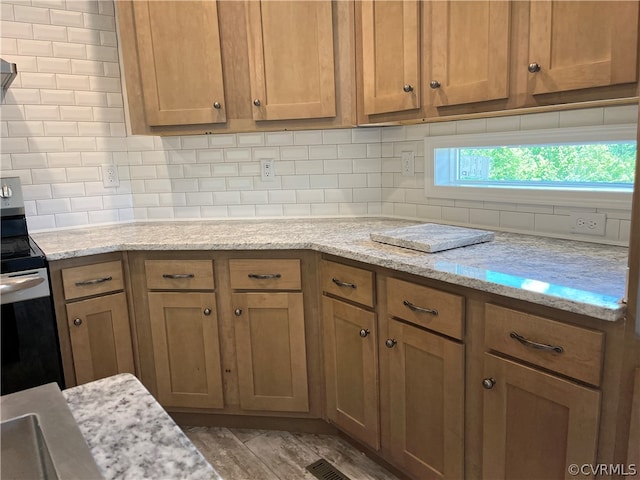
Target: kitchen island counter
580,277
130,435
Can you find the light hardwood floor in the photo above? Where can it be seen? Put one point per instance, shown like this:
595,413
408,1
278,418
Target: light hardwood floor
239,454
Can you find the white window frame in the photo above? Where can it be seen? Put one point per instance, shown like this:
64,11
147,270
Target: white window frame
541,195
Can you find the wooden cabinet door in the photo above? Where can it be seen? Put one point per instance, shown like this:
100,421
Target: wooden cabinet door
351,369
180,62
100,337
535,424
390,55
271,351
426,402
470,51
582,44
291,59
184,330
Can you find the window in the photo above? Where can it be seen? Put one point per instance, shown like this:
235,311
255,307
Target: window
587,166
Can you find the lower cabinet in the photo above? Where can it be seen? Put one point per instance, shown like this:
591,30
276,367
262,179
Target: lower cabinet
271,351
100,337
351,369
426,402
535,424
186,349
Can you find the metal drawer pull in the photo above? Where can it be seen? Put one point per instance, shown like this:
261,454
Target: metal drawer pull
390,342
177,276
95,281
364,332
416,308
539,346
265,276
343,284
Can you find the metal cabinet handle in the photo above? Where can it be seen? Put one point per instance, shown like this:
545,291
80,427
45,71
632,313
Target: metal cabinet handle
77,322
177,276
95,281
534,67
488,383
408,88
364,332
237,312
207,311
256,102
435,84
340,283
415,308
217,105
264,276
536,345
391,342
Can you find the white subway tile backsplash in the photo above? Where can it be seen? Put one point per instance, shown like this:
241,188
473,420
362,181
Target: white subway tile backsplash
24,129
22,13
68,190
79,144
337,166
352,151
90,99
37,192
52,33
307,137
104,84
83,35
61,129
576,118
323,152
14,145
16,30
69,50
38,80
21,96
64,159
250,139
66,18
334,137
278,138
517,220
6,11
35,47
365,135
96,129
29,160
222,140
86,67
237,155
464,127
193,142
294,153
45,144
72,113
621,114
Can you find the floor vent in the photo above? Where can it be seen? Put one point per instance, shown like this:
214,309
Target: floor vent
325,471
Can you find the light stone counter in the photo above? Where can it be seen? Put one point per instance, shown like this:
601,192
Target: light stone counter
579,277
130,435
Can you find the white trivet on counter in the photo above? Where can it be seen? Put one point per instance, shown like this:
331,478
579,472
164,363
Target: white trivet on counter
432,237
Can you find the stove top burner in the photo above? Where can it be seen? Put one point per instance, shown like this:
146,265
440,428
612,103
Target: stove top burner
20,253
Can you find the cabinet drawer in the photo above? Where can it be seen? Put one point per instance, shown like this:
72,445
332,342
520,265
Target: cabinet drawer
351,283
430,308
573,351
272,274
179,274
92,279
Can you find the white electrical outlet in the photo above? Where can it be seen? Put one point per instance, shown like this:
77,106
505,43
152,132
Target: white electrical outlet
267,170
110,175
587,223
408,164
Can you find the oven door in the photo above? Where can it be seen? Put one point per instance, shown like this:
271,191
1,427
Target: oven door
30,349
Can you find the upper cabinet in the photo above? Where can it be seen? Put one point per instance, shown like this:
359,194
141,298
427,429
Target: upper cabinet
469,51
194,67
390,55
291,59
578,45
181,72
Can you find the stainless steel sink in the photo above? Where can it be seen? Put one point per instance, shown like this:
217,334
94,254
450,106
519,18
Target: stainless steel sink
40,438
24,450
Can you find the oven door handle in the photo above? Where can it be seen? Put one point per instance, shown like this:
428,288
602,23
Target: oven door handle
17,284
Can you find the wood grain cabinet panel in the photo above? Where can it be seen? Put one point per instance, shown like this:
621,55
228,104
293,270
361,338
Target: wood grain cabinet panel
95,279
469,51
580,45
180,62
351,369
535,424
390,55
291,59
100,337
271,351
186,349
426,402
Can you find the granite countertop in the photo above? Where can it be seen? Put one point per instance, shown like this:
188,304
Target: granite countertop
580,277
130,435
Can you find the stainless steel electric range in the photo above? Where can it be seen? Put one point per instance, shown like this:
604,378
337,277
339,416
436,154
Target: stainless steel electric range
30,354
